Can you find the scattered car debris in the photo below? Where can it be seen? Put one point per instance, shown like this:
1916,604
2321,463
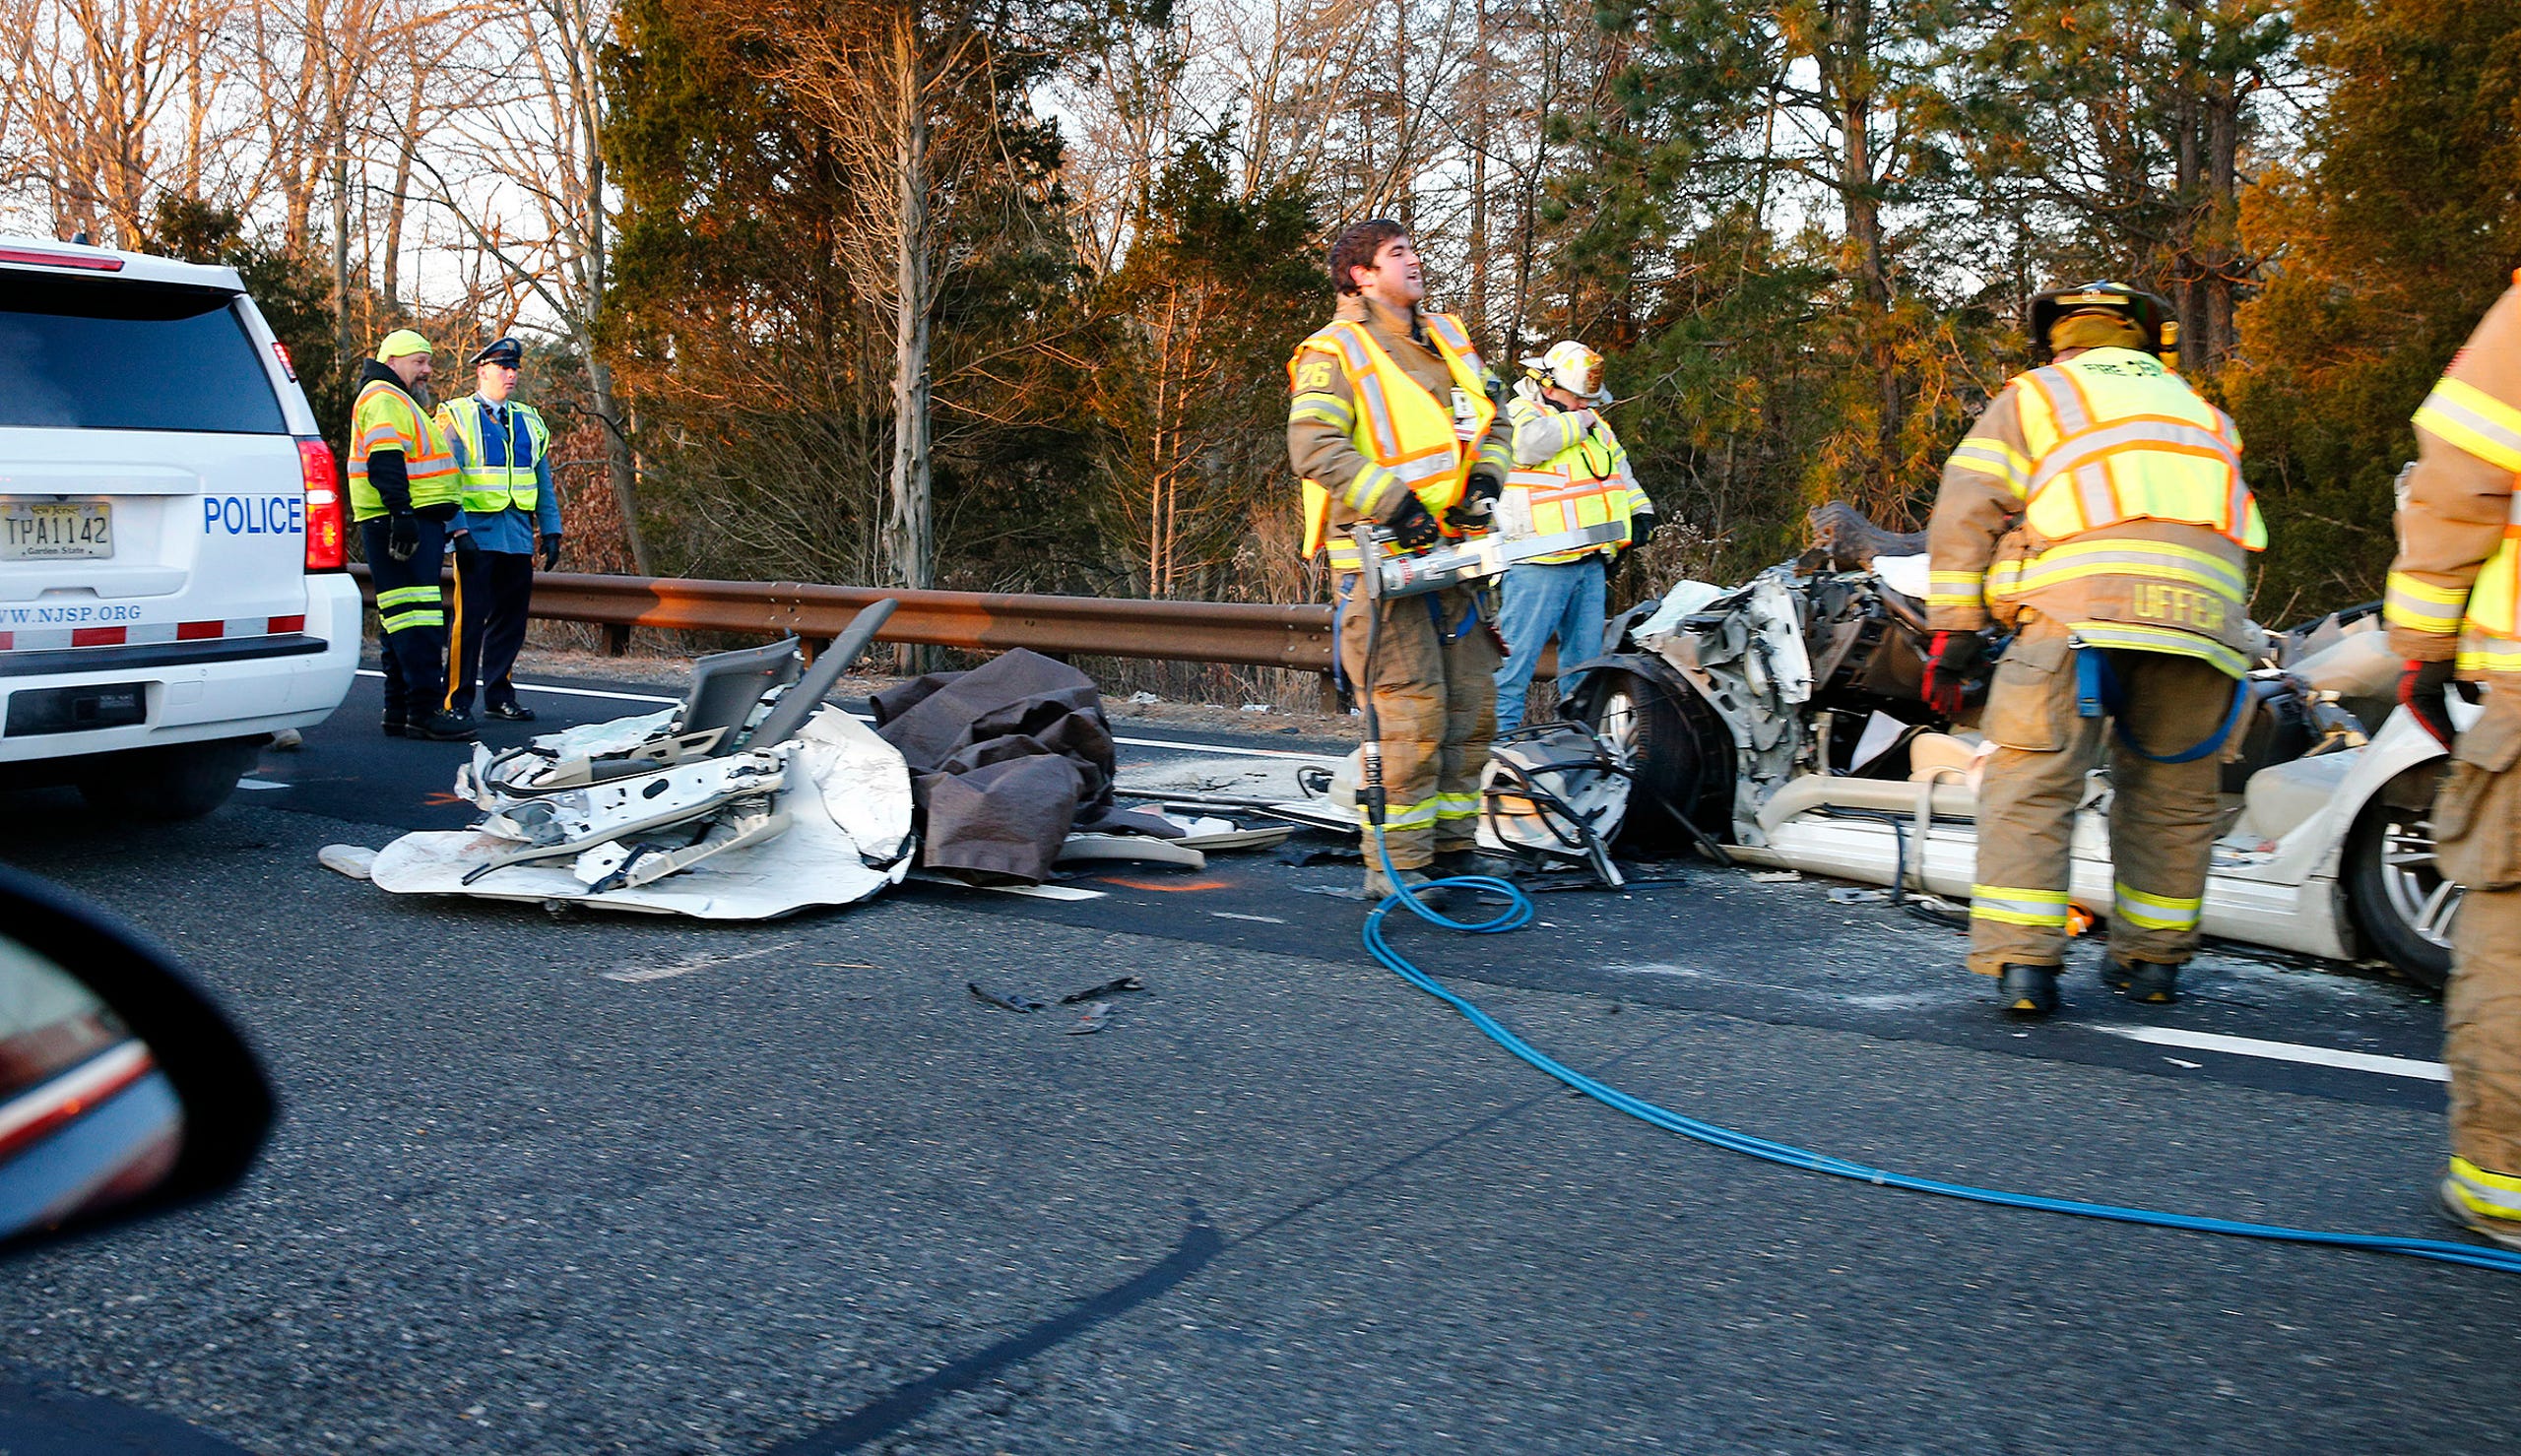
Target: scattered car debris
1114,987
1019,1004
350,859
1777,876
1095,1018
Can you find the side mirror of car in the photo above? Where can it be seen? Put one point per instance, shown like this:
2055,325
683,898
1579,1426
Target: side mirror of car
123,1091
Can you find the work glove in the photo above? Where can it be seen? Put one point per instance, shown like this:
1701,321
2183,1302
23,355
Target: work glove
1412,528
1948,662
1640,527
401,535
2425,690
467,551
551,551
1470,515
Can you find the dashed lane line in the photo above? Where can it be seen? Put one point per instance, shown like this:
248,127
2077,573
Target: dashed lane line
2319,1056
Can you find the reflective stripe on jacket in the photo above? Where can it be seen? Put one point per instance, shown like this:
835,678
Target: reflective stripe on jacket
491,488
2455,588
384,418
2114,436
1569,475
1400,435
2105,494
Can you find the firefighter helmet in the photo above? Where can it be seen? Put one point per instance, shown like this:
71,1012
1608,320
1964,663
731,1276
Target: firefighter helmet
1571,367
2147,312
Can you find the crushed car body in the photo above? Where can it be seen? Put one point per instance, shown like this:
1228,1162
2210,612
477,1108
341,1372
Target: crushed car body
1784,718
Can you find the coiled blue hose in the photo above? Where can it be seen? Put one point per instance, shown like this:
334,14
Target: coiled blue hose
1518,911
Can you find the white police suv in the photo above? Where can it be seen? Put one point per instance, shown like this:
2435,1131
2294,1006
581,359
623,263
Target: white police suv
171,533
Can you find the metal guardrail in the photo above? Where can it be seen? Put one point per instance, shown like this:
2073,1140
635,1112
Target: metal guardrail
1246,634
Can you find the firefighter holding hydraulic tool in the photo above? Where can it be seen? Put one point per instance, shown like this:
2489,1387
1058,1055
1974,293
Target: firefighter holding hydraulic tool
2096,508
2454,609
1394,421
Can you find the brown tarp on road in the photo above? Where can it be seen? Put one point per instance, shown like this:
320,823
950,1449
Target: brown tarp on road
1005,760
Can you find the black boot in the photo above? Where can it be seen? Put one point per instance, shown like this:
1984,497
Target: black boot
394,726
2147,982
445,728
2029,990
509,713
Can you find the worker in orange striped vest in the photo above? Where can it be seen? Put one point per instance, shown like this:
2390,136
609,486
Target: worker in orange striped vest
406,495
1570,471
1394,420
2096,509
2454,609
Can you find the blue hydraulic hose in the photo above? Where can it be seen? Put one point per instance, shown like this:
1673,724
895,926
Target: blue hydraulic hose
1518,911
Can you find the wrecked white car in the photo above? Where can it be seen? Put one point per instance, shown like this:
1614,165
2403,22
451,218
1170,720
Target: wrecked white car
1782,718
752,798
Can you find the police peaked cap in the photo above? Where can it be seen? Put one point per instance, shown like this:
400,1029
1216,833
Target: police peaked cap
500,350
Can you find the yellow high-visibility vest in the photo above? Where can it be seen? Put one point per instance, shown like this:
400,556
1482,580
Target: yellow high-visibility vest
1585,485
385,419
491,488
1404,430
2487,617
2115,437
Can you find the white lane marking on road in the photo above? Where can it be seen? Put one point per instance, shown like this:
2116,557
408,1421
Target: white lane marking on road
1218,749
568,692
689,963
1227,914
2319,1056
259,784
1224,751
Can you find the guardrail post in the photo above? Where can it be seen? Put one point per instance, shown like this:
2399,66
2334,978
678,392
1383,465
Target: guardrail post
1330,694
616,639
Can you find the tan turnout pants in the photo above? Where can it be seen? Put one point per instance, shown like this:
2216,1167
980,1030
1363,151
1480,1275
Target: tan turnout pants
2162,815
2476,826
1436,700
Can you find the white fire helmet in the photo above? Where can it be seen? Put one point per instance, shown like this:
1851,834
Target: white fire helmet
1574,369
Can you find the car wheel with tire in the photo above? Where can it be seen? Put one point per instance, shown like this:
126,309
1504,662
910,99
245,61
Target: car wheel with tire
2400,900
1679,755
179,781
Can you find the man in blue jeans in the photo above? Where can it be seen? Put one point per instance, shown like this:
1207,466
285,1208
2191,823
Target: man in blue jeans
1571,471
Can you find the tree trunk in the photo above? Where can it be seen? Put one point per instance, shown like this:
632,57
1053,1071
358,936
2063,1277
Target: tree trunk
1480,92
2220,254
342,255
1853,65
913,552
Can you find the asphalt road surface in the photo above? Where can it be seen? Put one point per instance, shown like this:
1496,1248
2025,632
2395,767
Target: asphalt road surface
621,1184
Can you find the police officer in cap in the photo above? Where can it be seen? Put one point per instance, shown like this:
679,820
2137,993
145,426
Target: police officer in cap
504,449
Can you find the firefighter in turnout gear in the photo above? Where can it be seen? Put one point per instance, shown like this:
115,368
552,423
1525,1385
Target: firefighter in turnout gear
1395,420
405,495
503,450
2096,509
2454,609
1570,471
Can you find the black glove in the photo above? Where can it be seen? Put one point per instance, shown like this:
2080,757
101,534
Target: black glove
1478,502
551,551
1948,662
1412,528
2425,690
1640,527
467,551
401,535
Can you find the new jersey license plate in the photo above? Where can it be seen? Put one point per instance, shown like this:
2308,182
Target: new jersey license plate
42,530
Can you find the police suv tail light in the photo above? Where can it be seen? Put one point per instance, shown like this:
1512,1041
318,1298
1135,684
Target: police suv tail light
323,506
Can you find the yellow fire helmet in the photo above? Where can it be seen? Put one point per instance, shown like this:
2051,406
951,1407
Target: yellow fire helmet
400,343
1571,367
